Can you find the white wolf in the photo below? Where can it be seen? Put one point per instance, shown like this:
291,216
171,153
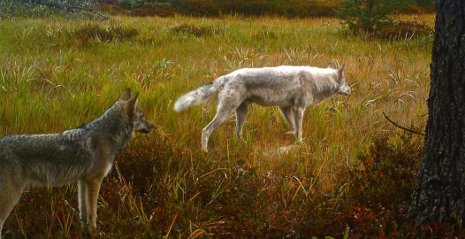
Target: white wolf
291,88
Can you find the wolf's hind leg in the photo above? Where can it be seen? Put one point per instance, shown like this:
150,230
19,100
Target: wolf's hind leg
241,114
221,116
226,106
288,115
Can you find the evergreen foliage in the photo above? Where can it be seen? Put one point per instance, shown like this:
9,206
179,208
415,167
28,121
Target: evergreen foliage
368,16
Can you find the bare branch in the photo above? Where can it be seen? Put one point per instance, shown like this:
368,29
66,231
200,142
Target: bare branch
401,127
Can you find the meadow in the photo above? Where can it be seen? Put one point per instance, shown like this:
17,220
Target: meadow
351,176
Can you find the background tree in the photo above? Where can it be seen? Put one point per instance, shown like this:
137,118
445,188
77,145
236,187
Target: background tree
367,15
440,193
42,8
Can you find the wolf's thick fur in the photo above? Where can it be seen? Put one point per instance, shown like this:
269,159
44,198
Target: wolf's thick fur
292,88
84,155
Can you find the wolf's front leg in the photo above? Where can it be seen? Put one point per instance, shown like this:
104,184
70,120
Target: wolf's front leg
299,115
9,195
93,191
288,115
83,206
241,114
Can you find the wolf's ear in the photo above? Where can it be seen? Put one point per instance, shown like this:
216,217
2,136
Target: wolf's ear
340,70
126,95
330,66
130,106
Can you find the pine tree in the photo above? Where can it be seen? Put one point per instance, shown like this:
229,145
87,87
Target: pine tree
367,16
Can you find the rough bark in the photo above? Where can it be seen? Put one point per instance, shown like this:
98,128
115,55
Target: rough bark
440,193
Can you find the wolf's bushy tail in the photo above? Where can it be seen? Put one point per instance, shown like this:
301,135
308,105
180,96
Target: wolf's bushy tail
199,96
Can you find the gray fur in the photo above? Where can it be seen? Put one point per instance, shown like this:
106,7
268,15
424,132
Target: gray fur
84,155
292,88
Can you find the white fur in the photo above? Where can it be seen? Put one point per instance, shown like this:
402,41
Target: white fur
292,88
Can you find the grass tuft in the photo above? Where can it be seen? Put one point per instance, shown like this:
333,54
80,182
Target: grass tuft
95,32
403,30
196,31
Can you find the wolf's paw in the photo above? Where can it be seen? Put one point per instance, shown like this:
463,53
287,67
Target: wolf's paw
88,231
241,138
204,149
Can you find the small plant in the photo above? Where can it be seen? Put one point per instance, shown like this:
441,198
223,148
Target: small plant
93,31
403,30
367,16
131,3
45,8
382,183
193,30
11,9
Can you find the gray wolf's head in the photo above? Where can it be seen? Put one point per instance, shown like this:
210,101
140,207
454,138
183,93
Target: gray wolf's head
343,88
134,113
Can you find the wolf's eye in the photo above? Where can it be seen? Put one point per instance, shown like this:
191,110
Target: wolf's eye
136,121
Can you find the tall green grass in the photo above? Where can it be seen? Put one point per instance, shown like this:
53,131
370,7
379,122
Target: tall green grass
56,74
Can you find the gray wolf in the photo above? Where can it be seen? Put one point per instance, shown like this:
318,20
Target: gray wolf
291,88
84,155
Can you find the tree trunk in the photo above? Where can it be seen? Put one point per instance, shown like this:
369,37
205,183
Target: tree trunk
440,193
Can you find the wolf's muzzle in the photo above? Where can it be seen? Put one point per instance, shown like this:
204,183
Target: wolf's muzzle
149,128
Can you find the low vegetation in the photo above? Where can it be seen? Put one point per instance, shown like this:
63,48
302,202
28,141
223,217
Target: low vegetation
375,19
351,176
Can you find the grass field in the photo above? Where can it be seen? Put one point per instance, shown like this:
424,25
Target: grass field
55,75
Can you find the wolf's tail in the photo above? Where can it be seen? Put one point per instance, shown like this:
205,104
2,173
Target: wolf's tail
199,96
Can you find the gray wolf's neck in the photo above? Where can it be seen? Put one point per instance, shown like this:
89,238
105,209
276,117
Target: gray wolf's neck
110,126
111,118
113,126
